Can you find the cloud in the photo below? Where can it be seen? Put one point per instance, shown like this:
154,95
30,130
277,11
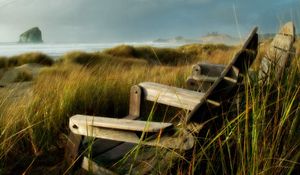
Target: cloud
137,20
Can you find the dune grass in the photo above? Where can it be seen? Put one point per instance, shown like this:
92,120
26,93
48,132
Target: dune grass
98,58
175,56
34,57
64,90
260,137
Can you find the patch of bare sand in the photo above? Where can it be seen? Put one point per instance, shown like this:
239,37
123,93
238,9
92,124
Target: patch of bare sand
11,75
13,87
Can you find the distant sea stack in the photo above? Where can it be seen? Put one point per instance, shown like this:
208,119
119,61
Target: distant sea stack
33,35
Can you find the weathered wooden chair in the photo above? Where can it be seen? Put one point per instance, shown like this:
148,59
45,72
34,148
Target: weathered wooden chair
118,136
275,61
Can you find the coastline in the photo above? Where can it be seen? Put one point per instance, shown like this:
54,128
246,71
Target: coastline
58,49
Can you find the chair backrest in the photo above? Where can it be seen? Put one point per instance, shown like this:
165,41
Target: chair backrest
279,53
226,85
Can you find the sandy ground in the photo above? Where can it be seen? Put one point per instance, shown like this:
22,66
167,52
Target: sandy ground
10,89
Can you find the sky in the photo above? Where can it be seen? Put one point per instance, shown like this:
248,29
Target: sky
141,20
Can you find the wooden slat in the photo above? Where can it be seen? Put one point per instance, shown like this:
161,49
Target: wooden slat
72,148
204,75
278,56
114,153
105,133
231,80
93,167
121,124
172,96
215,103
100,146
207,69
264,67
276,53
282,42
200,86
203,78
184,141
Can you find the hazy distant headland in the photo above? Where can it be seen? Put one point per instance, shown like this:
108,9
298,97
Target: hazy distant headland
210,38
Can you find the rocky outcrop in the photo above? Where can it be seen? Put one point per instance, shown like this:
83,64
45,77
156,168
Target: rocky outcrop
33,35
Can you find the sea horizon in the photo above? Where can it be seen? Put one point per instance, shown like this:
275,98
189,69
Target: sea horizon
8,49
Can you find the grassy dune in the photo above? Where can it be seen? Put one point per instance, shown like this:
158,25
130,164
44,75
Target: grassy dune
18,60
182,55
261,137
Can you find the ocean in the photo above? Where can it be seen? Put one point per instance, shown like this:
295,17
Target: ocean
58,49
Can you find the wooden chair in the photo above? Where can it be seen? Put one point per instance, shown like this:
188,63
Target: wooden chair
276,60
118,136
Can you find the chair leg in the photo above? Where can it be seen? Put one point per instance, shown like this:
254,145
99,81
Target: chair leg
72,149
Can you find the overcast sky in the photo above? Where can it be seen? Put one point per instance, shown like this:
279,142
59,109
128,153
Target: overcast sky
141,20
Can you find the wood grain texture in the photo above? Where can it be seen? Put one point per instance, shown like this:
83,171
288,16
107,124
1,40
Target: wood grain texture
203,76
92,167
184,141
134,102
115,123
172,96
288,29
278,54
72,148
283,42
207,69
198,85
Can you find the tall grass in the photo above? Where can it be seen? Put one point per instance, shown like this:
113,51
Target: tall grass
91,59
34,57
64,90
176,56
261,137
